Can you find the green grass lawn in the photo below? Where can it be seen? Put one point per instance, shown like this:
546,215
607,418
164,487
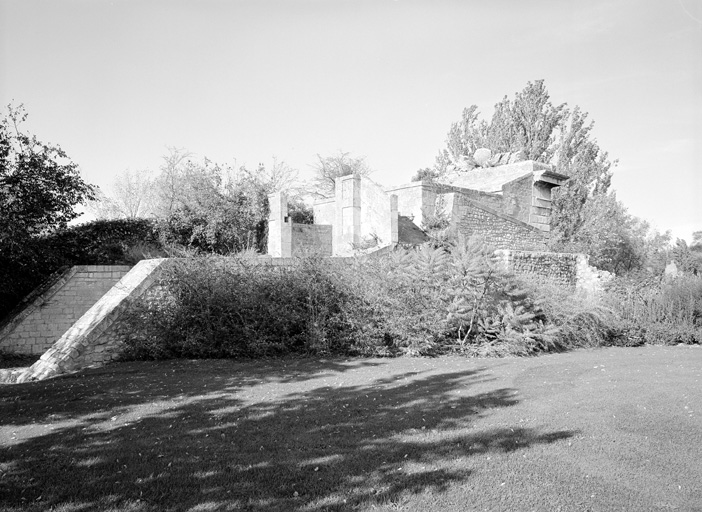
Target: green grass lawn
607,429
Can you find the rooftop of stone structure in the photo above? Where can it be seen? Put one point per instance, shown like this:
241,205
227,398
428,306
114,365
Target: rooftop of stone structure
491,179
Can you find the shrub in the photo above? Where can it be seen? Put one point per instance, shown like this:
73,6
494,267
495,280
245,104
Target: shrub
103,242
234,307
581,319
659,310
420,301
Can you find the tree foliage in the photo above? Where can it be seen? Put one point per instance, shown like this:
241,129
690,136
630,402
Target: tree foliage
131,196
39,188
39,185
203,205
328,168
586,216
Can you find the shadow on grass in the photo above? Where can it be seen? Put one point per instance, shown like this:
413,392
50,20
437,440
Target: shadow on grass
190,436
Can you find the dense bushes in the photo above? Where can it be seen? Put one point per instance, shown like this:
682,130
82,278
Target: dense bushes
24,267
427,300
420,301
233,307
658,309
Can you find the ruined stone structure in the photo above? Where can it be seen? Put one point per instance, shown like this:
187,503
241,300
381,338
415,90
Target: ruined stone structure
360,216
76,322
510,205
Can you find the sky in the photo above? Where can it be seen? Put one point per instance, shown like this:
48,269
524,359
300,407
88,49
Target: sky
115,83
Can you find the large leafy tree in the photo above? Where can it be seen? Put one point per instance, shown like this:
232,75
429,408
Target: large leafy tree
39,185
39,188
562,136
529,123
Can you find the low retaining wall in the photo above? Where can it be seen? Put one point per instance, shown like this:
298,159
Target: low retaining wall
34,329
571,269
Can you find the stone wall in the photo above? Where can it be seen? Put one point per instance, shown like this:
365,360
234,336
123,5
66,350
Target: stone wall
310,239
279,226
94,338
378,215
517,198
50,315
365,216
571,269
561,268
324,211
415,200
494,201
470,218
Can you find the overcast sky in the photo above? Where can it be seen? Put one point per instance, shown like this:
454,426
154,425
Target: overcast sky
115,82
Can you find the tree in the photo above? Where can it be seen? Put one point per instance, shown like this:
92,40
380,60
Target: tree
328,168
696,244
217,215
528,123
131,196
171,181
39,185
426,174
546,133
686,259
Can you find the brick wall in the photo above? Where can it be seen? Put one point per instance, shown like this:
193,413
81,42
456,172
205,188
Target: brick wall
470,218
311,239
45,320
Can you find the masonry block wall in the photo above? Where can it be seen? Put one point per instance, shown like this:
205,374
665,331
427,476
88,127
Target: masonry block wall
279,226
561,268
500,231
494,201
324,212
571,269
378,214
415,200
310,239
516,198
364,214
541,207
93,338
52,313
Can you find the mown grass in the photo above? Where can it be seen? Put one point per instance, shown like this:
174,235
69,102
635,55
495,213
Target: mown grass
213,435
572,431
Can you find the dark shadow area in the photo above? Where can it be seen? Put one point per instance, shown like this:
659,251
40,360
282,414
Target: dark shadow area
187,435
9,360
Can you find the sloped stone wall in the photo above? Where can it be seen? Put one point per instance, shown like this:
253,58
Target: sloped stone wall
92,338
501,231
43,321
